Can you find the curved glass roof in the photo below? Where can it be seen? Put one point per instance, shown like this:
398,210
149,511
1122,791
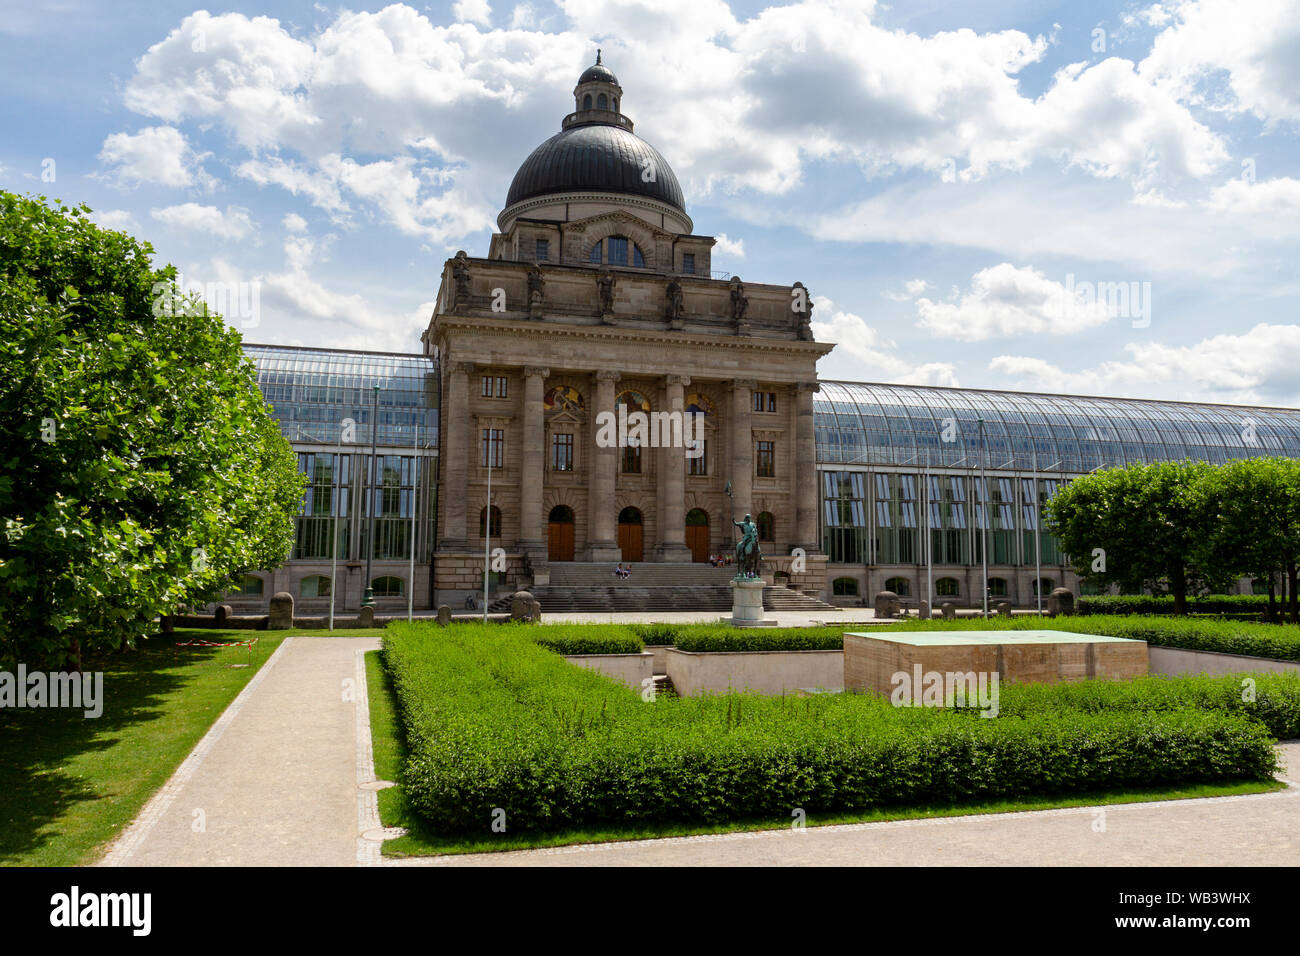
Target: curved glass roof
312,391
859,423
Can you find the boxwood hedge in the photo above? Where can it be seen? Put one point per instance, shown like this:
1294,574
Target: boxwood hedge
1237,604
495,721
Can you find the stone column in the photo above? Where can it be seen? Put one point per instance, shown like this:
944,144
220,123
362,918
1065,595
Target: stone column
672,498
532,538
457,445
742,452
805,479
601,543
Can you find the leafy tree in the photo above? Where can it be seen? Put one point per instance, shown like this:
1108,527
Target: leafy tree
1150,522
140,468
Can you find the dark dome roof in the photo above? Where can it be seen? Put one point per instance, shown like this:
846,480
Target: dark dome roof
595,157
598,73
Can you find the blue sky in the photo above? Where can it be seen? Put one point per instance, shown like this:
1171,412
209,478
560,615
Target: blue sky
949,179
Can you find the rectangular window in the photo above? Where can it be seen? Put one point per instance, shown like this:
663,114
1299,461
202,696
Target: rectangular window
765,461
771,401
632,460
543,250
758,401
699,466
688,263
562,452
501,386
765,401
485,386
490,455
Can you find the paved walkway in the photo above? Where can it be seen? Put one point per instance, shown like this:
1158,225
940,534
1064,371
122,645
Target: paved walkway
276,782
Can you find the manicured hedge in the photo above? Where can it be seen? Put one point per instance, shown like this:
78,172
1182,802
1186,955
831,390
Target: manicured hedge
1238,604
1279,642
494,721
588,639
724,637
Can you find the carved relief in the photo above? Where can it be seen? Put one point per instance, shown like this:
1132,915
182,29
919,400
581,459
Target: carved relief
739,306
536,292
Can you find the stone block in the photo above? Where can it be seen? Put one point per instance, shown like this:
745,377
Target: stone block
281,612
366,617
949,610
444,614
1060,602
886,604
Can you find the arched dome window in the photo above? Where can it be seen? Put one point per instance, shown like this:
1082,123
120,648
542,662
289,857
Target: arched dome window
586,102
618,251
602,102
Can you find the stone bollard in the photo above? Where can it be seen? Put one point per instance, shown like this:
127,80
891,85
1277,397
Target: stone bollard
281,612
1003,608
886,604
222,616
366,617
949,610
536,610
923,610
444,614
1060,601
521,606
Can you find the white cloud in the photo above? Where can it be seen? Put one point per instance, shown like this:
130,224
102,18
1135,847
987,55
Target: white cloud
293,222
1258,366
911,289
473,11
729,247
1220,54
1273,197
119,220
878,360
234,223
524,17
1005,301
321,189
156,154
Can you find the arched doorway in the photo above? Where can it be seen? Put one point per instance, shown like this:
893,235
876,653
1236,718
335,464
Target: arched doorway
697,534
629,534
559,534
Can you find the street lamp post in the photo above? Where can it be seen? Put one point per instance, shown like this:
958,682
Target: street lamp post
415,497
487,526
984,522
369,599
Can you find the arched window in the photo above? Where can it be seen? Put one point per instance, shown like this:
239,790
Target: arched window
615,103
844,587
998,587
602,102
496,522
1045,585
618,251
900,586
947,587
251,585
586,102
766,526
387,586
314,585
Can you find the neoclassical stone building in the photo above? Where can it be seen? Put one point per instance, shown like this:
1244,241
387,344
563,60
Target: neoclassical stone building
596,293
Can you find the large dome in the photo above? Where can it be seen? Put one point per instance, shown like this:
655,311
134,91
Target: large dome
596,157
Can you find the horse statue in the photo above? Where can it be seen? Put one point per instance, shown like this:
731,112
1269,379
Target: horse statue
748,552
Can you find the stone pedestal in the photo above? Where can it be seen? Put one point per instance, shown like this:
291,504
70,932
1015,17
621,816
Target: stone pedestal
280,617
747,604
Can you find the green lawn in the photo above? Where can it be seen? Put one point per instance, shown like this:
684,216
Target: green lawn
69,784
422,840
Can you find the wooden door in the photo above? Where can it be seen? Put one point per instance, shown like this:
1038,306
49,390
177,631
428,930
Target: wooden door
697,539
629,541
559,535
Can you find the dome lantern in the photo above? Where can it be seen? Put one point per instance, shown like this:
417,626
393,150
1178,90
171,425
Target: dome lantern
597,98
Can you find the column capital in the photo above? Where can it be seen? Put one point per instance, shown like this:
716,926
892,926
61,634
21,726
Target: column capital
607,375
803,387
749,383
674,379
536,370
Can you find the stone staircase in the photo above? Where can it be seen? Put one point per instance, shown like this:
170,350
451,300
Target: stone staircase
588,586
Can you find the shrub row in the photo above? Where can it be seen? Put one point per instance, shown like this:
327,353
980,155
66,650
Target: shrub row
494,721
588,639
1278,642
1240,604
724,637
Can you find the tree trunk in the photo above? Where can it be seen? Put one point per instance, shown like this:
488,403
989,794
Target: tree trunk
76,655
1291,597
1272,597
1179,581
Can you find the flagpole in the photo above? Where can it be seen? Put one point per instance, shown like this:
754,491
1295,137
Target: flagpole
415,489
487,525
1038,541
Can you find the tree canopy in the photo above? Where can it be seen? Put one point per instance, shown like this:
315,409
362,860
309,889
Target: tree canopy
141,469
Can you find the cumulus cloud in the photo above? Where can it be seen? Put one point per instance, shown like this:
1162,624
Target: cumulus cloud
472,11
156,154
729,247
1219,55
119,220
1258,366
234,223
1006,300
877,360
1273,197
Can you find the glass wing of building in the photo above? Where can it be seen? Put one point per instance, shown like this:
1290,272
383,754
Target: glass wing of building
915,426
315,391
